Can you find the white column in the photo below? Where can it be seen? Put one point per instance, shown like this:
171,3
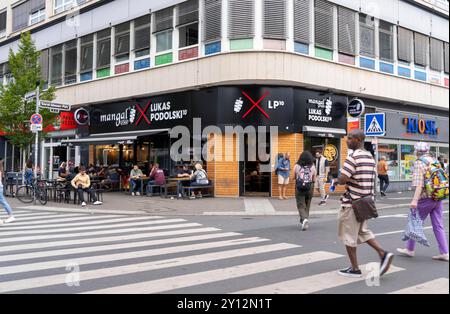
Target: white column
290,46
113,50
336,34
201,9
377,44
175,36
42,143
78,59
132,45
94,62
357,40
225,40
312,39
395,48
258,40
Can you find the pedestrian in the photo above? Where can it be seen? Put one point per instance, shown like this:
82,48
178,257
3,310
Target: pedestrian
441,162
305,176
28,173
135,180
284,172
82,183
358,174
3,201
383,175
425,205
323,169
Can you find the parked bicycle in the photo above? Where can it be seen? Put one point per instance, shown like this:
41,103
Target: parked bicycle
37,191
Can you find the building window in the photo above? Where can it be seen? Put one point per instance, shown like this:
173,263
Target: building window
103,49
164,41
324,26
2,74
367,35
347,31
274,19
70,68
164,29
44,64
63,5
28,13
212,26
37,17
386,33
436,54
122,42
3,23
302,27
87,54
142,36
241,19
405,39
421,49
56,64
390,151
187,22
446,58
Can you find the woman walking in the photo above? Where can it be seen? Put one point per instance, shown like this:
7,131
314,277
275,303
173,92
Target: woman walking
305,176
3,201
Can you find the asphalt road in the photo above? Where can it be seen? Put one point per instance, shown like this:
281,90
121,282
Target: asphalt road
49,252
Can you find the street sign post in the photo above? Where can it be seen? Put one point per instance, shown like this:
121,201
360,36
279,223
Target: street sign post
54,107
36,128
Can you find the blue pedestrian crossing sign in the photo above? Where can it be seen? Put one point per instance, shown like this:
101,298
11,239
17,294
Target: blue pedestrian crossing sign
375,124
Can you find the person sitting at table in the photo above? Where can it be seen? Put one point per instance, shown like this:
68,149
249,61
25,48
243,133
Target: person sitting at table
182,173
82,183
157,176
199,178
135,180
62,172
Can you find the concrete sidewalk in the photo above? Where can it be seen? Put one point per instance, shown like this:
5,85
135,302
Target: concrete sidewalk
121,203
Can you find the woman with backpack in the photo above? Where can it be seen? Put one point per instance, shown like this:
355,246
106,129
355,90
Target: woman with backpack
305,176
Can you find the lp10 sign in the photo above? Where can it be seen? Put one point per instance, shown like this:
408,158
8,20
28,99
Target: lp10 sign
274,104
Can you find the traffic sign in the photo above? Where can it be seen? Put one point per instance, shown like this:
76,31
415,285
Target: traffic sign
375,124
36,119
29,96
36,127
54,106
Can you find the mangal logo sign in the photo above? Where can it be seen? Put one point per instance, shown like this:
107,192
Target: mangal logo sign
151,112
256,104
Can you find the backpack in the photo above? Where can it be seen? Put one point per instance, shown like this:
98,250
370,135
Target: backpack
436,180
304,179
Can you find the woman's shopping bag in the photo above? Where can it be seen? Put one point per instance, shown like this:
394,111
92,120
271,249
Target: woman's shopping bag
414,230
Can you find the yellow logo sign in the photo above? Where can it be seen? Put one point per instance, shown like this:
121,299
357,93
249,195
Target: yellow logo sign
331,153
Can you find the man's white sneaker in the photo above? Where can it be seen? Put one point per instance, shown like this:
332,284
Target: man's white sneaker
138,194
442,257
10,220
98,203
83,204
133,194
406,252
305,225
1,222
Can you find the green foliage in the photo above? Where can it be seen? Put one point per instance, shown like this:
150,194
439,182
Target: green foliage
15,112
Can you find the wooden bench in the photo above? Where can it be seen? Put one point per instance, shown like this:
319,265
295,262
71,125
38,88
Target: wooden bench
187,190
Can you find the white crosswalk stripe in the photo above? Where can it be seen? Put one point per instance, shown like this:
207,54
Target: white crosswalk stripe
160,254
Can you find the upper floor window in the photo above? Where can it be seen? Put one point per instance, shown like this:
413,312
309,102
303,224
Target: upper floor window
104,49
212,26
142,36
386,33
28,13
163,29
241,19
63,5
3,23
122,41
274,19
367,35
324,29
187,22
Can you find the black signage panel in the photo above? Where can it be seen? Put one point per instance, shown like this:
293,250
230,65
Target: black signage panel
257,106
159,112
320,110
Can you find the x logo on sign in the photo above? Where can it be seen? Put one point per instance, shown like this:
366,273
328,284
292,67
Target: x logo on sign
255,105
143,116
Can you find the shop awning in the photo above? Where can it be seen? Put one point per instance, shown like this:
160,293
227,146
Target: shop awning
315,131
113,138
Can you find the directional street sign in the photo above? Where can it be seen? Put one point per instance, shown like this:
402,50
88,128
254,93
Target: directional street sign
29,96
36,119
54,106
375,124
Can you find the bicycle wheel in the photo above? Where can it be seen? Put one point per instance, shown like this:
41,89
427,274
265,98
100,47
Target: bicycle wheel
43,198
25,194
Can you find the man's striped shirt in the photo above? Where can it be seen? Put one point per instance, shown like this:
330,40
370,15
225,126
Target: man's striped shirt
361,167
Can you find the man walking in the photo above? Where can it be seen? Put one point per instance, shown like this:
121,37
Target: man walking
322,169
425,205
383,175
358,174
